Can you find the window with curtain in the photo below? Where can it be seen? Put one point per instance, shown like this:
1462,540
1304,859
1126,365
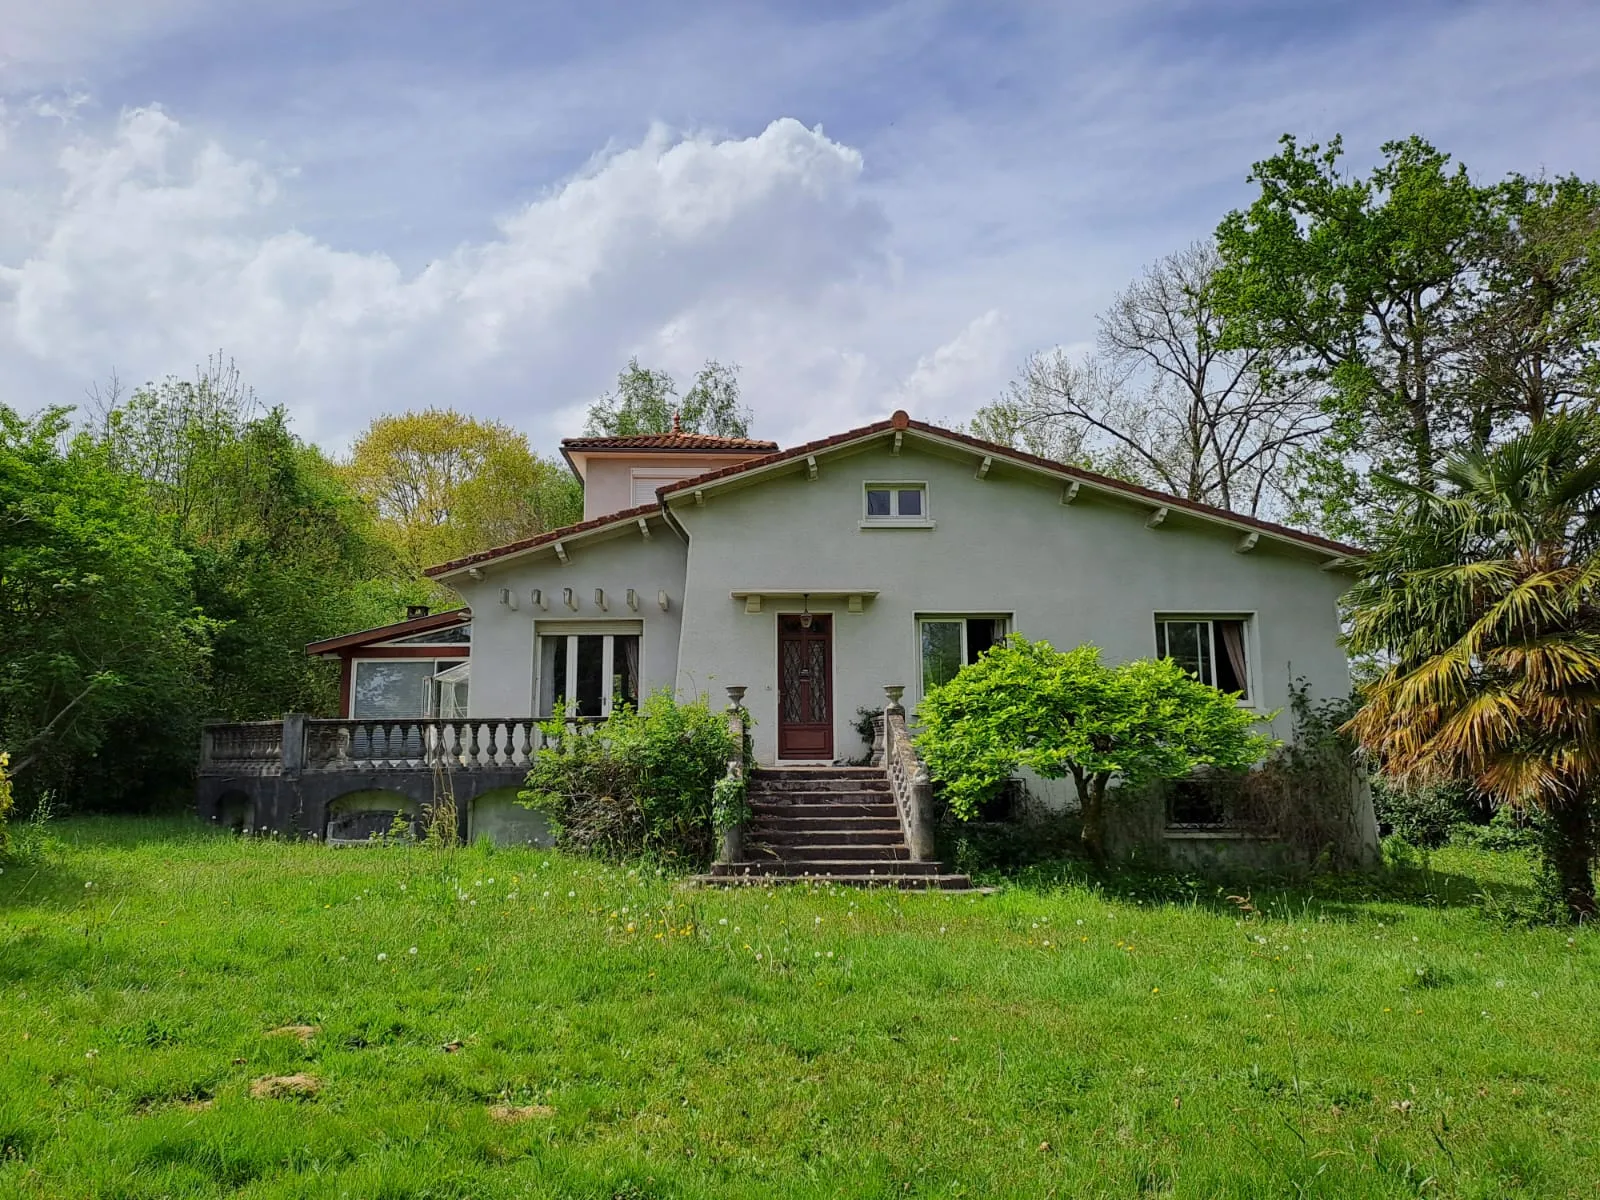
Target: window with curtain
1212,649
585,670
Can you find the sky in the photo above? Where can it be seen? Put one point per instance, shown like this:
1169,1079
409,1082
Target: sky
380,205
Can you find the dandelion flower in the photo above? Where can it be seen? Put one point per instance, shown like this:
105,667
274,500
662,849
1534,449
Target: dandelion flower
412,951
722,920
570,895
382,957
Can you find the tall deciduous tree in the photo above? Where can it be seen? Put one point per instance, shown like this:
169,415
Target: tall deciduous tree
102,653
444,484
646,401
281,553
1164,404
1483,599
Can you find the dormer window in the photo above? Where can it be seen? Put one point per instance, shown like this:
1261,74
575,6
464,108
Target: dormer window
896,504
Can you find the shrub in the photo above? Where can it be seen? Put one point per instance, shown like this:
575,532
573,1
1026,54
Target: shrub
1423,815
1508,830
1061,713
640,782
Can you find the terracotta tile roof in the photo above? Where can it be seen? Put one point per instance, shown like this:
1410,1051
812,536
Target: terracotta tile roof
438,620
667,441
552,535
901,420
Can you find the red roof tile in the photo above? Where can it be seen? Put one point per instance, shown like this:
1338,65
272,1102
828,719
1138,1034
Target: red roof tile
667,441
438,620
552,535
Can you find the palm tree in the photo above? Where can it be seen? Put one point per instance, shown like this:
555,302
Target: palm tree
1482,607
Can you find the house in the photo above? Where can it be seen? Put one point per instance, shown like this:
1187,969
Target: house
885,556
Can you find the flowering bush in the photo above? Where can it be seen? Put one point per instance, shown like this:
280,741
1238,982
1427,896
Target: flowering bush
640,782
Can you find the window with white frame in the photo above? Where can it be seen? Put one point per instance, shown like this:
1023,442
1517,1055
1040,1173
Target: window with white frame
948,643
585,669
902,503
1213,649
395,688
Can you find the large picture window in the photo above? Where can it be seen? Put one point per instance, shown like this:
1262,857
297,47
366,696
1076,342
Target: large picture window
585,669
949,643
386,689
1212,649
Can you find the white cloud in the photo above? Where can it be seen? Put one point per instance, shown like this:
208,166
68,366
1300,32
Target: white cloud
947,383
163,247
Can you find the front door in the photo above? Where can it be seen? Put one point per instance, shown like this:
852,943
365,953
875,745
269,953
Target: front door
805,687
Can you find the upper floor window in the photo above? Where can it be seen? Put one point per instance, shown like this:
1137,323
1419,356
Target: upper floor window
896,504
1212,649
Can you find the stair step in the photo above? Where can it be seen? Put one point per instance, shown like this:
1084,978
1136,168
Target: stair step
785,818
828,852
826,836
826,866
819,773
766,785
947,883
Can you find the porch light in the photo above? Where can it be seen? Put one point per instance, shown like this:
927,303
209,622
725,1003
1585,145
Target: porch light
805,611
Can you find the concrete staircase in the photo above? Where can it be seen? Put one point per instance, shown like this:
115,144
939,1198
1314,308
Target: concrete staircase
828,825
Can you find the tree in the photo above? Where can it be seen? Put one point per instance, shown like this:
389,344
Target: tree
1482,597
444,484
646,402
102,651
1026,704
281,553
1360,284
1164,404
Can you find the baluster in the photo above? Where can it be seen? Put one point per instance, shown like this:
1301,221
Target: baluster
494,744
472,744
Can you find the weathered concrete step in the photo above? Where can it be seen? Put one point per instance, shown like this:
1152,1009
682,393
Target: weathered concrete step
825,810
819,773
827,836
826,866
944,883
829,852
766,785
787,819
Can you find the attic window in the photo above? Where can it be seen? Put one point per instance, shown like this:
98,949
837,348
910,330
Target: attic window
903,504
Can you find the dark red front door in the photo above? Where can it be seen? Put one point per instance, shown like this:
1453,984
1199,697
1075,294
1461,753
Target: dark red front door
805,688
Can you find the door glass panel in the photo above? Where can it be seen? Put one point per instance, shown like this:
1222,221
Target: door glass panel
385,690
552,676
941,653
817,661
591,674
625,669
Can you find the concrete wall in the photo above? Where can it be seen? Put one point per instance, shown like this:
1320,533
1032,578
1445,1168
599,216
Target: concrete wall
503,641
608,480
1086,572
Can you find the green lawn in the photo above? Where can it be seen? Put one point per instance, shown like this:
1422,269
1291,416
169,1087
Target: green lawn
1048,1040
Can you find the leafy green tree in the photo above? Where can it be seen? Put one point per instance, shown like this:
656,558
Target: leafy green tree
444,484
103,654
1059,713
1483,601
647,402
1359,283
281,552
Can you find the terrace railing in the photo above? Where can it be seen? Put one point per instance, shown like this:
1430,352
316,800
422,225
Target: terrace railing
908,778
303,744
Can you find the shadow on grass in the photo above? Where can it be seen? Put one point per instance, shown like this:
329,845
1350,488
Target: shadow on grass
1347,897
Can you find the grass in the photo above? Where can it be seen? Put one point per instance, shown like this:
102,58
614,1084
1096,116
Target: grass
523,1024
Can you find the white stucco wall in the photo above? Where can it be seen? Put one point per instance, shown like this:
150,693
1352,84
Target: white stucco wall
1088,572
503,640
